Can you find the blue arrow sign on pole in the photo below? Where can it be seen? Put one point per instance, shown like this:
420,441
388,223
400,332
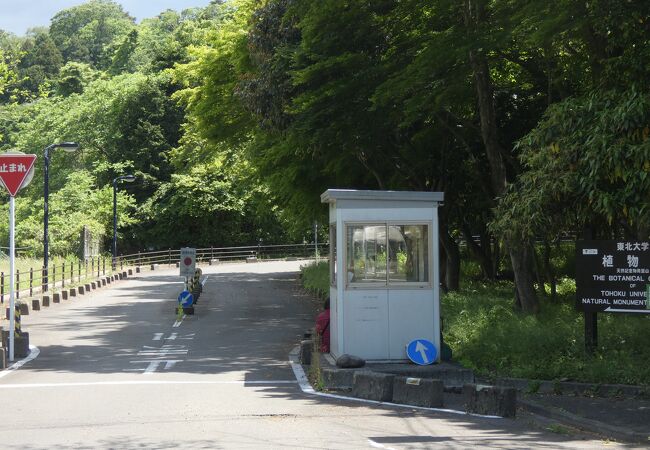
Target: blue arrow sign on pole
186,299
422,352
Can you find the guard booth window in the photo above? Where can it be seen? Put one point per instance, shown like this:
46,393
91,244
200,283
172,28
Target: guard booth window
387,254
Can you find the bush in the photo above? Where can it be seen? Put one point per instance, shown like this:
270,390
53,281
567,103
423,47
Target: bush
315,278
488,336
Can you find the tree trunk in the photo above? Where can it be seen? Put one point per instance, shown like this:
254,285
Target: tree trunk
521,260
452,254
519,252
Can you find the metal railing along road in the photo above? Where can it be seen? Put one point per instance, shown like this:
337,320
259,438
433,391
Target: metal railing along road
225,254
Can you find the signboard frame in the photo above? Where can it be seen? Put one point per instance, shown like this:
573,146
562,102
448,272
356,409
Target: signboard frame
613,276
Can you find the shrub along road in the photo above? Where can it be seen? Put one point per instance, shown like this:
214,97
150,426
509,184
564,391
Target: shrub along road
116,370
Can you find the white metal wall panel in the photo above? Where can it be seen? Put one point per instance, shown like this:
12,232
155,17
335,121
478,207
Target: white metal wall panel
366,324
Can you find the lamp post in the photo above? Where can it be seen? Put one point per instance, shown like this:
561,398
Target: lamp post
68,147
129,179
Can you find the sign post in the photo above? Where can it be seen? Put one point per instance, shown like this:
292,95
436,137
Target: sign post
16,172
187,264
611,277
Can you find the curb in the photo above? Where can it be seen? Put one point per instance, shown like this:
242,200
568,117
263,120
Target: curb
590,425
307,388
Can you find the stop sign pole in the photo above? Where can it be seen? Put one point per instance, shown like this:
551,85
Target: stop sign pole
16,172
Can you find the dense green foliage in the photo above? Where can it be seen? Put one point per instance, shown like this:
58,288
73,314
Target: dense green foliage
532,117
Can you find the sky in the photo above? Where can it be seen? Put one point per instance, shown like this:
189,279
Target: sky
17,16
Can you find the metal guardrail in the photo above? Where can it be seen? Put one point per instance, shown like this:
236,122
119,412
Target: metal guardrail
225,254
32,281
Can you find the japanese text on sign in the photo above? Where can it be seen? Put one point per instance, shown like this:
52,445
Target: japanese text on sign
613,276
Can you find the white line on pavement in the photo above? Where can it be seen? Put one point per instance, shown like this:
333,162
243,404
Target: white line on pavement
179,322
205,280
33,353
378,445
303,382
147,382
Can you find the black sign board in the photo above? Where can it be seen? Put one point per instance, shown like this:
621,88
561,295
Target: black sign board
613,276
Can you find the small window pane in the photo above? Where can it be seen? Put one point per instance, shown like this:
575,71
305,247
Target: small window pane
366,258
409,253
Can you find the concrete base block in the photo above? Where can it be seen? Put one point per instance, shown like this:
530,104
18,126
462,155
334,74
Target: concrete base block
213,262
154,266
64,295
337,379
251,259
418,392
178,265
306,349
490,400
3,358
24,309
45,301
21,346
102,282
93,285
7,313
56,297
137,269
36,304
124,275
189,310
130,272
73,292
81,290
373,386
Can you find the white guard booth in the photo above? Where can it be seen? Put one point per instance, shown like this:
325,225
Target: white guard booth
384,277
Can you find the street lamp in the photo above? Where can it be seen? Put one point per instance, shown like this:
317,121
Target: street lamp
68,147
129,179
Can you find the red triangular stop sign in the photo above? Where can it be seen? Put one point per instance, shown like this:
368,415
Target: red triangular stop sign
14,169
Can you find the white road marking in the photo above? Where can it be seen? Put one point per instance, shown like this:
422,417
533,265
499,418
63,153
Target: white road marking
153,365
378,445
172,336
33,353
147,382
157,336
179,322
303,382
205,280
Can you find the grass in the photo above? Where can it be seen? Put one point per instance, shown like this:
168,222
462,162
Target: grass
489,336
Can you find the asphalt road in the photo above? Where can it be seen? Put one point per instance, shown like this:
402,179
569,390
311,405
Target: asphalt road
116,370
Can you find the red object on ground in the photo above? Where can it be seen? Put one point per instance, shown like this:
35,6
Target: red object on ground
323,330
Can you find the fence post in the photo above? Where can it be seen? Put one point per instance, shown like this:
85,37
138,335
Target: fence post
104,266
79,271
54,276
17,284
92,265
63,275
170,257
2,287
31,281
86,268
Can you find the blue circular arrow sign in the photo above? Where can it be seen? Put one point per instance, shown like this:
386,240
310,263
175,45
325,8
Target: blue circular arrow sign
422,352
186,299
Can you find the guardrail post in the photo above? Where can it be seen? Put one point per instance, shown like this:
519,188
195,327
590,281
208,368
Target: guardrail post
2,287
86,267
54,276
92,265
17,284
63,275
104,266
31,281
79,271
